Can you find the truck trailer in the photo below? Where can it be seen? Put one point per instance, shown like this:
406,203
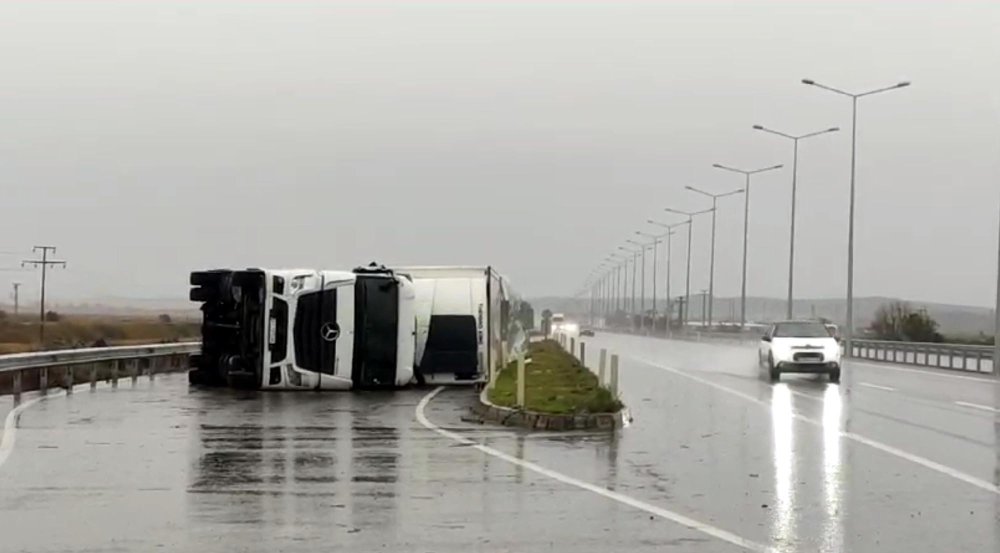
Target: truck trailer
467,321
304,328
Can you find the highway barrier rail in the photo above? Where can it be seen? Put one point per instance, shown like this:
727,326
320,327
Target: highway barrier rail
957,357
960,357
22,372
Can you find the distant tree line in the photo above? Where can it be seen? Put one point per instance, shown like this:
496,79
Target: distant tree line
898,321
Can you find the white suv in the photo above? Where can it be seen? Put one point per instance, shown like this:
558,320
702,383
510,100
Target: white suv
799,347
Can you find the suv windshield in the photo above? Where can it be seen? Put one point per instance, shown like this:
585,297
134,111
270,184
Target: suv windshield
800,330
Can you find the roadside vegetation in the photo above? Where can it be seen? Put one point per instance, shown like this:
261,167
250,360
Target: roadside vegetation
898,321
555,383
20,333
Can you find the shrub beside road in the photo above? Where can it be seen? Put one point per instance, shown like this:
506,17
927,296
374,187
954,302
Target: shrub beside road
555,383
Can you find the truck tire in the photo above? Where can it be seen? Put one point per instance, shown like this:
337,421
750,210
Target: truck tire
206,278
202,294
835,376
243,381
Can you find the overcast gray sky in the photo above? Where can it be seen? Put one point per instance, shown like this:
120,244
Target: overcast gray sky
147,139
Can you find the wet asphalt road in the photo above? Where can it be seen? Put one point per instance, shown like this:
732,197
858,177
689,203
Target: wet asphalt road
886,461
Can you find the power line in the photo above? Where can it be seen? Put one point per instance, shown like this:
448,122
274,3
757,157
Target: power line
44,263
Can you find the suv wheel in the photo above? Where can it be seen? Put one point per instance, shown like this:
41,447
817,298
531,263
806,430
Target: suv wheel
773,371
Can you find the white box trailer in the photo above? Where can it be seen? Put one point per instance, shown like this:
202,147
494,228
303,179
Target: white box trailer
304,328
465,323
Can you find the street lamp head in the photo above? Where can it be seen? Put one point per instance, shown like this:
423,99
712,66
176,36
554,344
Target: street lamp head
833,129
717,166
758,127
903,84
690,188
808,81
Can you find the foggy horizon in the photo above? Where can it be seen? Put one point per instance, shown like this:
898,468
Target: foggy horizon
146,140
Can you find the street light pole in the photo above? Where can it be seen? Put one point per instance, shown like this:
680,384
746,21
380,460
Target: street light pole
635,262
711,265
746,229
655,247
687,280
789,313
849,333
668,236
642,286
996,321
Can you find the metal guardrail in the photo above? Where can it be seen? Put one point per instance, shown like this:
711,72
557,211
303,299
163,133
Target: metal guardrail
22,372
959,357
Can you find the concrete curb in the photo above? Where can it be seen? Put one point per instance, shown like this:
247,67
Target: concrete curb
506,416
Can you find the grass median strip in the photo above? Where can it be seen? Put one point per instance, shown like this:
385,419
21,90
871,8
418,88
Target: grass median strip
555,383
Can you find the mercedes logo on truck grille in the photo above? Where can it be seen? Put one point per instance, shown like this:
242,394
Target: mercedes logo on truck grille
329,332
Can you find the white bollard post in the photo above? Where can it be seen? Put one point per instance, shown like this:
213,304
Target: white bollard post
520,381
602,362
613,385
493,376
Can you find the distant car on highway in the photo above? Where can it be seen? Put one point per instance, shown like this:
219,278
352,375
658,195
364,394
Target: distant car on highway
799,347
586,331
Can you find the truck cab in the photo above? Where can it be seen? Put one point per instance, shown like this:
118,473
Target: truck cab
304,328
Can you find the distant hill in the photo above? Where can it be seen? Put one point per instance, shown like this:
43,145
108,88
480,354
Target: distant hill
953,319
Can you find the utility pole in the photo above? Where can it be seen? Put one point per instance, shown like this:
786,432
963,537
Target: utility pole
44,263
16,285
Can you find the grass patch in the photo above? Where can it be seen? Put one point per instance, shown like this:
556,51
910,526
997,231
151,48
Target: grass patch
555,382
20,333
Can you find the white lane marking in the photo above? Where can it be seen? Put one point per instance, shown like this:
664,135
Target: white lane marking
678,518
978,406
10,425
876,386
921,370
922,461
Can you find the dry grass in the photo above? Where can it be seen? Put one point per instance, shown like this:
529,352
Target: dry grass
18,334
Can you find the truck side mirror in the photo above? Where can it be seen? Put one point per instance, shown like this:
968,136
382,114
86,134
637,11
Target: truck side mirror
765,338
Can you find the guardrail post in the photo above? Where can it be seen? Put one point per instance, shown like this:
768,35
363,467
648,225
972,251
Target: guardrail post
68,379
114,373
152,368
572,347
133,370
43,379
583,353
17,385
603,359
520,381
613,385
93,376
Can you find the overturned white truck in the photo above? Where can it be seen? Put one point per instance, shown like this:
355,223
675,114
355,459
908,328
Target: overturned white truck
304,329
372,327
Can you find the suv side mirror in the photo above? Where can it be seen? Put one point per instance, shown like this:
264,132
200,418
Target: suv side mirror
765,338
